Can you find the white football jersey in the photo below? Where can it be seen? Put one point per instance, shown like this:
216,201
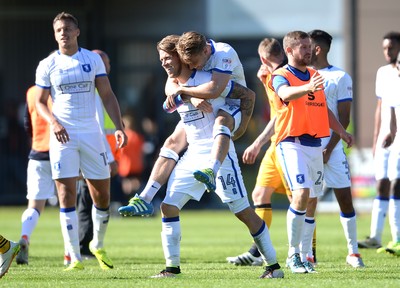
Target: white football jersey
338,87
198,125
71,80
386,84
224,59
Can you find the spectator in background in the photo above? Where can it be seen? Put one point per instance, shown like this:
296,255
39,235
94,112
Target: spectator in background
131,165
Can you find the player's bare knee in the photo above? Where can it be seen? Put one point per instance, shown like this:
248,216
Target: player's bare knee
225,119
169,211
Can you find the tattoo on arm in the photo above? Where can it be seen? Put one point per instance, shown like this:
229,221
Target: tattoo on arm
246,102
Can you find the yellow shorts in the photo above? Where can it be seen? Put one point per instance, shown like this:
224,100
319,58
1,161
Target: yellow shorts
270,173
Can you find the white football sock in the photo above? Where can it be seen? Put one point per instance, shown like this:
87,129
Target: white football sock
394,219
349,225
100,218
295,223
378,216
264,244
29,220
306,239
150,190
70,232
171,241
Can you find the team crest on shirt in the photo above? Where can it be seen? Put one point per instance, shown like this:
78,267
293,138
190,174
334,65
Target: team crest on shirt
300,178
86,67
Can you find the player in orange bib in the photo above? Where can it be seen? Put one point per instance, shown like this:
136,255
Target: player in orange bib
270,177
303,118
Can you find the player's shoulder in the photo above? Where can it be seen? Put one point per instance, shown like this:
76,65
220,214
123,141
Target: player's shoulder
385,69
88,53
199,77
222,47
339,72
49,60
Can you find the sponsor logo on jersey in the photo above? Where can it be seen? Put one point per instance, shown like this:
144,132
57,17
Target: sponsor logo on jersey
86,67
226,63
78,87
191,115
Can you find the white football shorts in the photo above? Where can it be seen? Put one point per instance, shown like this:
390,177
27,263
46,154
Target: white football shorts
394,163
302,166
40,184
84,152
229,180
337,171
381,161
234,111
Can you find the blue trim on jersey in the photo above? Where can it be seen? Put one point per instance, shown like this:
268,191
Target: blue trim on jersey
296,212
210,41
278,81
102,209
310,221
230,91
236,174
66,210
382,198
194,71
262,228
303,76
305,140
101,75
348,215
221,71
345,100
172,219
43,87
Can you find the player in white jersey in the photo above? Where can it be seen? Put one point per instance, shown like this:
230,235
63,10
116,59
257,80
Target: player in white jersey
393,171
71,76
237,116
182,187
385,77
223,62
338,88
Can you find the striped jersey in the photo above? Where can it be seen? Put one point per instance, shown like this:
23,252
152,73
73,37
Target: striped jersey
71,81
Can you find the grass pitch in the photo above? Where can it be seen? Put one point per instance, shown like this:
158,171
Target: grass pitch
208,237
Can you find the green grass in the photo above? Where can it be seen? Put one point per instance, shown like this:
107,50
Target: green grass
207,238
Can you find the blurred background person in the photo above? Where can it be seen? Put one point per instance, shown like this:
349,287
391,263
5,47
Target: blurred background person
131,166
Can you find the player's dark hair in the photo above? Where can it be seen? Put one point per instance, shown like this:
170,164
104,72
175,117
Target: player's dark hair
393,36
321,38
66,16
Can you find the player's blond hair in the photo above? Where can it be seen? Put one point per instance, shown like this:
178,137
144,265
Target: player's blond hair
190,44
270,47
